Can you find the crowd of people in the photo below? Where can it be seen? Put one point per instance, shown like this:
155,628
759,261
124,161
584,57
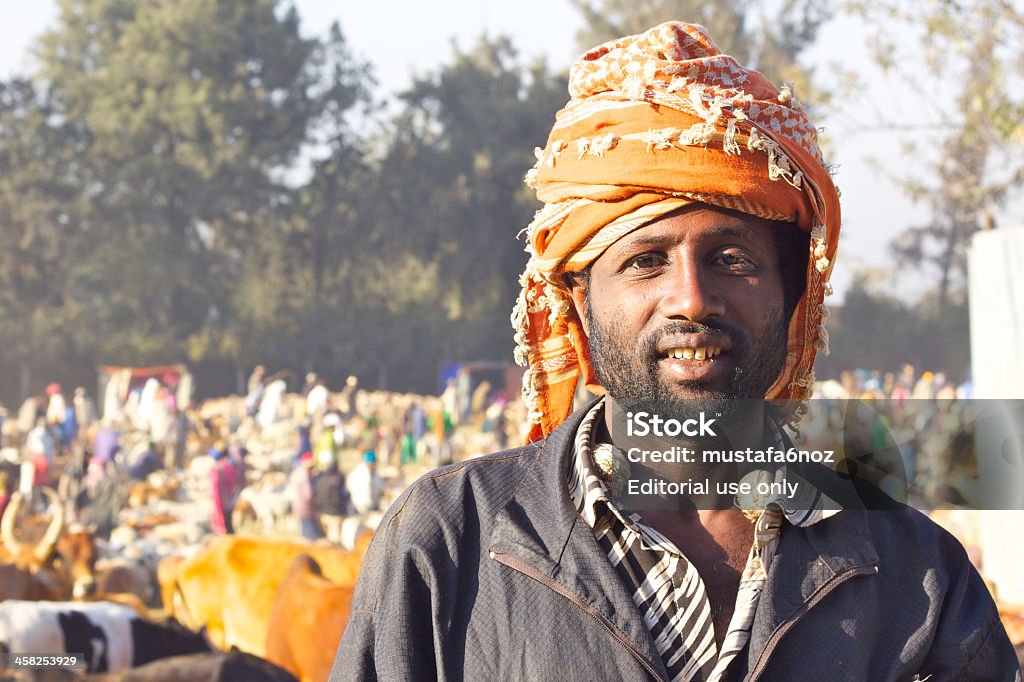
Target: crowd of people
379,430
348,451
907,384
343,452
915,430
63,443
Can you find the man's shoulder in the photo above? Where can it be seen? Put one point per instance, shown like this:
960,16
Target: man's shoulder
484,482
906,536
449,512
905,525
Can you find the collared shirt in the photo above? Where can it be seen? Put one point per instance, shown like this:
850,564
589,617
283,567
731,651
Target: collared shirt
665,585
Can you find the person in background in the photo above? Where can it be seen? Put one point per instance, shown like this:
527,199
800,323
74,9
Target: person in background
148,461
100,500
69,427
29,413
305,443
254,391
270,403
311,381
237,453
330,495
365,486
106,444
222,490
40,450
55,405
317,399
344,399
85,411
5,492
303,501
326,446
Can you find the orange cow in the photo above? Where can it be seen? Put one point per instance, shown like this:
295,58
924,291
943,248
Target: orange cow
231,585
309,615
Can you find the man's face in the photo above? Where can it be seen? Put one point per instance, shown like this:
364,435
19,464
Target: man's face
688,307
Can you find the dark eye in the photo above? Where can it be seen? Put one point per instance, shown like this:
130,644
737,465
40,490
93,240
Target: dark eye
735,260
645,261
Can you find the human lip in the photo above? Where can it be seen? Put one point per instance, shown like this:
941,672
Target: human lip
693,347
694,357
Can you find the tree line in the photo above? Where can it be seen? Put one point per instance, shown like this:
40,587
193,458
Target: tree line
205,182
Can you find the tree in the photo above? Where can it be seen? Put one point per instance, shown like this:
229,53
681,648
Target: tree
37,202
191,112
878,331
450,198
965,62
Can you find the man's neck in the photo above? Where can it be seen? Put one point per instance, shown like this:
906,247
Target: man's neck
707,528
697,469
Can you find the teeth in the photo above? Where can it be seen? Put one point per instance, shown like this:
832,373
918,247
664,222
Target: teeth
703,353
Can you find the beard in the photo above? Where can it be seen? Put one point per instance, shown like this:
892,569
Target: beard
627,367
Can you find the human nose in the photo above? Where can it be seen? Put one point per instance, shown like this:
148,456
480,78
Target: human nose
689,293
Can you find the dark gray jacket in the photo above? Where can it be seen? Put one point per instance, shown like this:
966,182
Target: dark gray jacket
484,571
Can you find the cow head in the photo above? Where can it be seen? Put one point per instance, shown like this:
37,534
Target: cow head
42,551
76,551
70,551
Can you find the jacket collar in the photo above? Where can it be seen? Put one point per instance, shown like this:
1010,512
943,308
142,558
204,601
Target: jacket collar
540,518
540,527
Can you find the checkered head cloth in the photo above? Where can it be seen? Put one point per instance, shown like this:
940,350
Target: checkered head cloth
656,121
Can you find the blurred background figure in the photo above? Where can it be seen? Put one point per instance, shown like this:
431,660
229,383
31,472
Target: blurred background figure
39,449
365,486
148,461
254,391
330,495
222,490
303,501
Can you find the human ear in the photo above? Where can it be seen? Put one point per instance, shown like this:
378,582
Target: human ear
578,292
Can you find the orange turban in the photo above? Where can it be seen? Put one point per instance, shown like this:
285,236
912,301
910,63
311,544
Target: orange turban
657,121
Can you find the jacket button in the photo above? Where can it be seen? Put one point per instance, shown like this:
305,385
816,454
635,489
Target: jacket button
491,554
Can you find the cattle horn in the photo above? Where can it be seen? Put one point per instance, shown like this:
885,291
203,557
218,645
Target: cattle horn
45,546
12,546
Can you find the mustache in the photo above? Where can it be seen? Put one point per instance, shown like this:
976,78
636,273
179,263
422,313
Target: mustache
650,343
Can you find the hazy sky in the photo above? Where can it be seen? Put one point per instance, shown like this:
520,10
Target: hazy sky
417,38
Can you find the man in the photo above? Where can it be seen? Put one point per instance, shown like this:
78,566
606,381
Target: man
254,391
330,495
682,258
365,486
301,484
85,413
148,461
40,450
